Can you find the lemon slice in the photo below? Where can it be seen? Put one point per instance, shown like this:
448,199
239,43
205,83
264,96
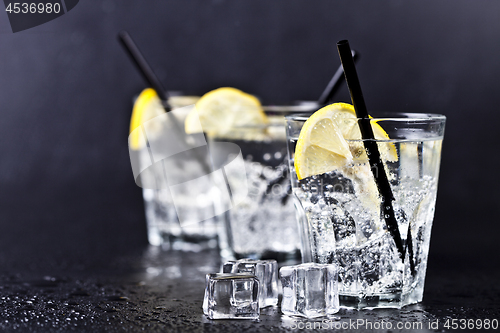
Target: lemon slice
222,110
326,141
146,107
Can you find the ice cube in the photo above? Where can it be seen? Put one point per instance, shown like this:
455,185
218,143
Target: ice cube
231,296
309,290
267,273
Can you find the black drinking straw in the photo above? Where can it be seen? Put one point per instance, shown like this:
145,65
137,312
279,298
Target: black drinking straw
334,84
371,147
142,65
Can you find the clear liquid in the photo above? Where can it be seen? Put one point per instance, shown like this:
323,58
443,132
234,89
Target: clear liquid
187,223
264,224
343,223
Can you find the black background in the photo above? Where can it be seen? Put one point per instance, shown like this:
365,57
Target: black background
66,89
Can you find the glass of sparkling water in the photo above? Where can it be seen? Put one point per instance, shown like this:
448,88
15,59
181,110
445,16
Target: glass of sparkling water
178,215
341,219
262,225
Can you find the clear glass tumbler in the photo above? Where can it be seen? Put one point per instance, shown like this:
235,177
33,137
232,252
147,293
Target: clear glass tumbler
179,215
263,224
342,219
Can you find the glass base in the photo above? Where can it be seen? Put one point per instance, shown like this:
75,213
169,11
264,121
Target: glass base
191,243
391,300
289,258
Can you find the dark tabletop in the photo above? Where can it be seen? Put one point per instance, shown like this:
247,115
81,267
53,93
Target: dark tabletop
153,290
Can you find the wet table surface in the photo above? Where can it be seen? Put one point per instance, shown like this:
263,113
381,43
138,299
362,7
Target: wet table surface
161,291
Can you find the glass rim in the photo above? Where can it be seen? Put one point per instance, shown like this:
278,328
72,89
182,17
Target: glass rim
292,108
384,116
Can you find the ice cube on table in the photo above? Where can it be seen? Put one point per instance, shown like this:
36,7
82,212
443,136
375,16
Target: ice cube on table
309,290
267,273
231,296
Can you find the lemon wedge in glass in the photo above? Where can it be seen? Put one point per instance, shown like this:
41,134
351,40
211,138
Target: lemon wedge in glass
147,106
331,139
222,110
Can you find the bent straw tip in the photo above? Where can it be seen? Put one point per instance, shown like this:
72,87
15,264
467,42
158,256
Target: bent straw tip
123,34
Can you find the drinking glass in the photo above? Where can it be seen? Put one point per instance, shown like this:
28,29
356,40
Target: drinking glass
341,217
178,215
262,225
